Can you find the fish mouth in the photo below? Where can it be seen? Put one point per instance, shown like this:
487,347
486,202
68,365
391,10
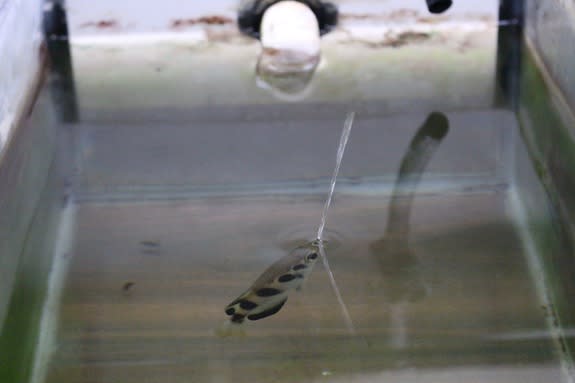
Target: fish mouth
302,235
318,243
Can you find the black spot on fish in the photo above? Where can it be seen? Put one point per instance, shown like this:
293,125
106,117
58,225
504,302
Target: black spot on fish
268,312
230,311
312,256
248,305
238,318
299,267
267,292
287,278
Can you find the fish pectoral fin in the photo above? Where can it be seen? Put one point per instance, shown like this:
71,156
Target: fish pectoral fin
266,313
230,329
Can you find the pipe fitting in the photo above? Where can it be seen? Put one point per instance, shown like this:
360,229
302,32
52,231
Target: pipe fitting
290,38
252,11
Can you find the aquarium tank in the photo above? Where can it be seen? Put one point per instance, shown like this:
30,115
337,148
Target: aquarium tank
287,191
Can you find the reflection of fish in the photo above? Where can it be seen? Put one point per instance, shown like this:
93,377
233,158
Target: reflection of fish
399,265
267,295
421,149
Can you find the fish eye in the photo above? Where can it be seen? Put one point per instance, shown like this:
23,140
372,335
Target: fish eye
312,256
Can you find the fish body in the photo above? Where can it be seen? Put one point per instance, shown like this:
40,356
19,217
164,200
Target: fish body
269,292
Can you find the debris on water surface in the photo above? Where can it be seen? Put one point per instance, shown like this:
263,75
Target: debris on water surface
127,286
150,247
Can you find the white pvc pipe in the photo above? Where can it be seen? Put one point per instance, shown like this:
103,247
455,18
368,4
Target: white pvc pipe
290,38
290,25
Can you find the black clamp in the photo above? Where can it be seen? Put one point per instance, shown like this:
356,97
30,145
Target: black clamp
438,6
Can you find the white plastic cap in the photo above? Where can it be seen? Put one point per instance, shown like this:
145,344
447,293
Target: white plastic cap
290,39
290,25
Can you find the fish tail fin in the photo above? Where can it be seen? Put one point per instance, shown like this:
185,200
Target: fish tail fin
230,329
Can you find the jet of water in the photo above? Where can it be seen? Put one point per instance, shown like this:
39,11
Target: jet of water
344,310
341,149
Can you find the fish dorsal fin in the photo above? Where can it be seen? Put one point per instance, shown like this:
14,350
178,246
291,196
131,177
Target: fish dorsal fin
271,311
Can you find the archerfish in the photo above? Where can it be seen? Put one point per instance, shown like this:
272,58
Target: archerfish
269,292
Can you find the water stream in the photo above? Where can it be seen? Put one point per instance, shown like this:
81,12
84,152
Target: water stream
341,149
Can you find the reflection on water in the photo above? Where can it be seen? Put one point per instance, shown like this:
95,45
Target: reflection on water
392,250
290,84
402,279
